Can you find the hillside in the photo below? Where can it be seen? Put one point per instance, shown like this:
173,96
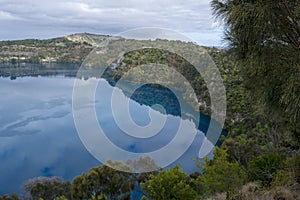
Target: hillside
266,150
72,48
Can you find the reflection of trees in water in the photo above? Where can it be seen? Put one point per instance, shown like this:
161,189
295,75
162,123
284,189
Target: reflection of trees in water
15,70
150,95
147,94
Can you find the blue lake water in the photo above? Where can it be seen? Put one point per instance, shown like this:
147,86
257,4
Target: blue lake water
37,131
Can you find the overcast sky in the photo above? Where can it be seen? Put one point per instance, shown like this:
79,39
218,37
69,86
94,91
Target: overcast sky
21,19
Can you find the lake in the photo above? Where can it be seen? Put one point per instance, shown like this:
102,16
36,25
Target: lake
37,130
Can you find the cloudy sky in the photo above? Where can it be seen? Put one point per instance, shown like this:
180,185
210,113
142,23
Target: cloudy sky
21,19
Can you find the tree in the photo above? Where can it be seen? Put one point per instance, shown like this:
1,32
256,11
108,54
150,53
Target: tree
265,37
169,184
143,168
61,198
219,175
103,180
289,174
264,167
47,188
9,197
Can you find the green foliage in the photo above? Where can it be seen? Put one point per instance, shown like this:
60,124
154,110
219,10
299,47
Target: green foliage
47,188
289,174
268,68
170,59
252,131
99,197
9,197
219,175
52,50
61,198
264,167
169,184
144,198
103,180
265,37
292,165
281,178
143,168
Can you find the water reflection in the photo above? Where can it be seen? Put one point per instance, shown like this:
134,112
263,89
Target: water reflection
37,134
37,131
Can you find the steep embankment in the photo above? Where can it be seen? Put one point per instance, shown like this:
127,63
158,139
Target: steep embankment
253,138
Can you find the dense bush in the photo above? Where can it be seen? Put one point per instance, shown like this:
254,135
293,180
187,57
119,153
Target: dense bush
264,167
47,188
169,184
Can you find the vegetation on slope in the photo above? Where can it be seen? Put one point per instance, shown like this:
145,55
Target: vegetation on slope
61,49
261,76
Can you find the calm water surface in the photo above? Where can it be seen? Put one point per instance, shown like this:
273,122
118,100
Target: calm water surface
38,135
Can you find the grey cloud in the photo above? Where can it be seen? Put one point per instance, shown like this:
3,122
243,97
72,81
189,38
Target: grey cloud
52,18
